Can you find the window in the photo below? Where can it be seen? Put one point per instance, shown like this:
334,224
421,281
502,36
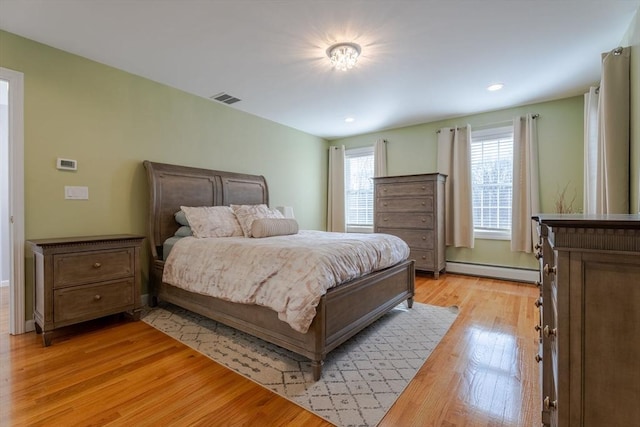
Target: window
358,170
492,182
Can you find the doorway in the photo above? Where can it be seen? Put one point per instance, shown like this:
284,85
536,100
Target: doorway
12,289
5,247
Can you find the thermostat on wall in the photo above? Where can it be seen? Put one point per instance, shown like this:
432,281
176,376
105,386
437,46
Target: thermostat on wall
67,164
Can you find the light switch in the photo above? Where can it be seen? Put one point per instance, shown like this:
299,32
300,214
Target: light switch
76,193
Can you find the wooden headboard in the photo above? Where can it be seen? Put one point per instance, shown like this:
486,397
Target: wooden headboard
172,186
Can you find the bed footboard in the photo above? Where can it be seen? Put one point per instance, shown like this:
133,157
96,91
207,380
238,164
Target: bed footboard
343,311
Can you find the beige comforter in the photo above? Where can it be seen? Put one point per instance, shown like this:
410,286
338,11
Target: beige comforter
288,274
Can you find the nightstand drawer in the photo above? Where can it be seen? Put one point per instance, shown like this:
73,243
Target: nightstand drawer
80,268
415,204
404,220
73,304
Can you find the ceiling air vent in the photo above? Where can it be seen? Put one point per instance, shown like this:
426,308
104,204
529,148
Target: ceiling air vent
225,98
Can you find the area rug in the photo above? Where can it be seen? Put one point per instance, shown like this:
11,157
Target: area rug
361,379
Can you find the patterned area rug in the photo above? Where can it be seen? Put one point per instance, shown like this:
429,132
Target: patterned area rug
361,379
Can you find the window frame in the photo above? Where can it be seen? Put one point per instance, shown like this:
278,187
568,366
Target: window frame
358,152
494,132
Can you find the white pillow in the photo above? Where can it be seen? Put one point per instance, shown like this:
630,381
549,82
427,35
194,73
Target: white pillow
246,214
267,227
212,221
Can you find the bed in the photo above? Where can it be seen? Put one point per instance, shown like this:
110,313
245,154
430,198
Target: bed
341,313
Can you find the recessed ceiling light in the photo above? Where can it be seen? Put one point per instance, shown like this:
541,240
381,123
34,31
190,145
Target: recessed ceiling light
495,86
349,119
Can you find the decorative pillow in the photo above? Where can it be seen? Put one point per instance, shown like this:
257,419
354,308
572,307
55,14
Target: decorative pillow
181,218
183,231
212,221
266,227
246,214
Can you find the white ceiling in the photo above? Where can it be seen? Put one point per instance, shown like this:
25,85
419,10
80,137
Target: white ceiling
421,60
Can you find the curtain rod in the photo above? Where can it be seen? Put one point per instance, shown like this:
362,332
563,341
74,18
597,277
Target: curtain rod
504,122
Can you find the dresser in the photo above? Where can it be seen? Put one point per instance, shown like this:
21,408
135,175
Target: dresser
83,278
412,208
589,319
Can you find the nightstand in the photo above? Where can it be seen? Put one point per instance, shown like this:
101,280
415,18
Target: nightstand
84,278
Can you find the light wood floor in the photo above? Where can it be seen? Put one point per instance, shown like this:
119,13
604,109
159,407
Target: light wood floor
116,372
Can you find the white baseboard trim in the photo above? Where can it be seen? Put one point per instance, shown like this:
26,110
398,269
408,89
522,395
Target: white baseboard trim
494,272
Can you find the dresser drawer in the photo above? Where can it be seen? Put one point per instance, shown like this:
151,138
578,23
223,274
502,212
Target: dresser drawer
425,260
87,267
418,239
398,189
409,204
79,303
404,220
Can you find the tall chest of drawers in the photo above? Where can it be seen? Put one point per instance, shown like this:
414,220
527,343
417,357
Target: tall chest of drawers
590,319
83,278
412,208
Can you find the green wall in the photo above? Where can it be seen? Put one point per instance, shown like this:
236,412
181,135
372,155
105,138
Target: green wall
412,150
110,121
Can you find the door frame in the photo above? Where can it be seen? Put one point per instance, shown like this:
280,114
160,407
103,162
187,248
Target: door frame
17,324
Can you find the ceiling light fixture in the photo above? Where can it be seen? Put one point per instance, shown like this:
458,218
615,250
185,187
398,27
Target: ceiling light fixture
349,119
495,86
344,56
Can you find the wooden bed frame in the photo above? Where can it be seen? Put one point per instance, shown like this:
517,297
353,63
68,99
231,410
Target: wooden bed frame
343,312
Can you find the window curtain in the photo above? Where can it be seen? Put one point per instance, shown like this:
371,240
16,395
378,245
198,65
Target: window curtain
380,158
454,160
335,203
526,191
591,137
607,146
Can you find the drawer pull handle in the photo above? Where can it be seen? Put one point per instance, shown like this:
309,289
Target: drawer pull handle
424,257
548,332
548,403
424,219
384,204
549,270
97,265
423,203
97,297
538,358
385,219
424,237
538,302
424,188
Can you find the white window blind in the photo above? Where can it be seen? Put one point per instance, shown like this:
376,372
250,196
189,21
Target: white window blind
359,163
492,181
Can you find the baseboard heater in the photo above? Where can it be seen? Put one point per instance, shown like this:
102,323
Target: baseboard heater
494,272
